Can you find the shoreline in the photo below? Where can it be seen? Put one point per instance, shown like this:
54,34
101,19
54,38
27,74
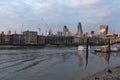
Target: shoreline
17,47
106,74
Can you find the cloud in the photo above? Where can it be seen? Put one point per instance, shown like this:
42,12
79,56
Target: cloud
7,11
76,3
98,12
39,7
12,9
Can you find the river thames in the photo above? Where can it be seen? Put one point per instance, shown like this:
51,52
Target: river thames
52,63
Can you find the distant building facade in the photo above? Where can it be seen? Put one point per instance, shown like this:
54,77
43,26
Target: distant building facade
103,29
18,39
41,40
119,35
2,38
30,37
93,32
7,39
59,33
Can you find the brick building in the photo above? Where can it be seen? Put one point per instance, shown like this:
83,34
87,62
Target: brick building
30,37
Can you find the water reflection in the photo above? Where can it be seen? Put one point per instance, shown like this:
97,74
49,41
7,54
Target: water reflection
87,43
64,56
109,45
80,59
107,57
86,59
115,54
104,57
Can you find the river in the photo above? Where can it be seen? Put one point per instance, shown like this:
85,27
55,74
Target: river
52,63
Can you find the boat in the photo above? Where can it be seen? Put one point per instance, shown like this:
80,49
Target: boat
98,50
83,48
105,49
114,49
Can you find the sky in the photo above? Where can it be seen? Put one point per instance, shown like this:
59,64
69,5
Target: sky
22,15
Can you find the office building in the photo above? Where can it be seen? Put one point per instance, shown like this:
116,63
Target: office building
30,37
79,30
103,29
18,39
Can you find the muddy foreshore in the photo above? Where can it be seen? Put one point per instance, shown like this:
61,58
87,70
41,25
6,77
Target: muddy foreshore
107,74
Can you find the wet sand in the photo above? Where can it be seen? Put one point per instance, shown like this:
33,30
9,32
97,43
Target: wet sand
107,74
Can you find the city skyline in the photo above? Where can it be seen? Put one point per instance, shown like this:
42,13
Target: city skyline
22,15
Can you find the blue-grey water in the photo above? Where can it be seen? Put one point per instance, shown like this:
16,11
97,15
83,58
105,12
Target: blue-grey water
52,63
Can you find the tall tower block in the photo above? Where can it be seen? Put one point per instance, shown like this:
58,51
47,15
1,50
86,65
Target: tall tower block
79,30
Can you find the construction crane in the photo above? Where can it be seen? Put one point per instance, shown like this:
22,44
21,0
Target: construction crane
22,28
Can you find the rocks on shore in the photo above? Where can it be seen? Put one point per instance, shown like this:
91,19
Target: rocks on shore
107,74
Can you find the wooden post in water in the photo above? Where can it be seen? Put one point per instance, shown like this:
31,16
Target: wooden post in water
109,50
109,46
87,43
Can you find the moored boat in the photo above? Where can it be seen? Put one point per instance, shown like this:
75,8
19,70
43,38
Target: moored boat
105,49
83,48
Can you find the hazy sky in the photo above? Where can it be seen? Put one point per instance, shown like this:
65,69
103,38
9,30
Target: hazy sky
54,14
